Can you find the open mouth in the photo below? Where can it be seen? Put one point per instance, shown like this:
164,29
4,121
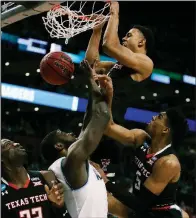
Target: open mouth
22,149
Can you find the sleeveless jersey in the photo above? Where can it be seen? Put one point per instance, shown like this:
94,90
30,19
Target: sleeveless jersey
144,164
125,88
28,202
89,201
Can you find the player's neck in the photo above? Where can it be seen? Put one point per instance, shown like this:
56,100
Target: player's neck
16,175
157,144
141,51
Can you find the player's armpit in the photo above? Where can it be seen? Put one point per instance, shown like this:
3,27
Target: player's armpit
125,136
116,208
141,63
164,171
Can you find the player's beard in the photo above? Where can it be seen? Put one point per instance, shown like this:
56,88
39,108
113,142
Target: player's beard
18,158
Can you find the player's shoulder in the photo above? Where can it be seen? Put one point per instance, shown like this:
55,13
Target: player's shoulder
145,57
56,164
169,162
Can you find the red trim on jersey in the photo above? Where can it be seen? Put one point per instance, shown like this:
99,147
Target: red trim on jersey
16,187
150,155
161,208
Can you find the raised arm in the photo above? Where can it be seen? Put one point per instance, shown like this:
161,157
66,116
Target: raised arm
119,133
111,45
92,52
75,167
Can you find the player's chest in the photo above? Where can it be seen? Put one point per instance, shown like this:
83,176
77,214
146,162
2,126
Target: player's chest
32,196
144,165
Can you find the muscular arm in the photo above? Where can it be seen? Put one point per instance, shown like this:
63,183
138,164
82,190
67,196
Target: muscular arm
92,53
163,173
142,64
132,138
79,152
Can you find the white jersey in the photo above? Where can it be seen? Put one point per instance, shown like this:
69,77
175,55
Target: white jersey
89,201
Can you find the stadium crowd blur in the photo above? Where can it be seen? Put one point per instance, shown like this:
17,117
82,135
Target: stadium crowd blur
28,123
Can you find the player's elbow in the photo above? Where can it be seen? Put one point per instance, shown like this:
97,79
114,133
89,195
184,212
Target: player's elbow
107,46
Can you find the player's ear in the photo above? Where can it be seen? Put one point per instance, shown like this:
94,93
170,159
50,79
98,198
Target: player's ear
59,146
166,130
142,42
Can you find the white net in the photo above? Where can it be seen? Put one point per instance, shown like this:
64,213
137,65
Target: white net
65,22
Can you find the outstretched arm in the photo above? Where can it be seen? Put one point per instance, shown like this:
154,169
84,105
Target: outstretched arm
142,64
92,52
134,137
75,168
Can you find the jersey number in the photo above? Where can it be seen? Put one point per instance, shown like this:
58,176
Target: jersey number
32,213
138,181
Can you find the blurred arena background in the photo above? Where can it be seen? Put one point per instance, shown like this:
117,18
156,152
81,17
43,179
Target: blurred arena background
28,113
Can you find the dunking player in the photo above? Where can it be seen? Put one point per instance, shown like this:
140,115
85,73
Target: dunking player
85,191
23,194
157,167
134,64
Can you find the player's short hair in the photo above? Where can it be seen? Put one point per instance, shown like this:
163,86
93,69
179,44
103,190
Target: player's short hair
149,36
178,125
48,152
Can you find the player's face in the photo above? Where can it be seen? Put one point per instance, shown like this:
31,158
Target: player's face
132,39
65,138
158,125
13,153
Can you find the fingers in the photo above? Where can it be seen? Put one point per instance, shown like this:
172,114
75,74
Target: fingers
104,77
85,66
47,189
59,190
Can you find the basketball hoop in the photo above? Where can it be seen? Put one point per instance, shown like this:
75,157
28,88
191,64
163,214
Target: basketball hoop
65,22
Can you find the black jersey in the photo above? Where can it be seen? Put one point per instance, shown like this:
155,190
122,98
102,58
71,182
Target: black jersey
166,201
125,88
28,202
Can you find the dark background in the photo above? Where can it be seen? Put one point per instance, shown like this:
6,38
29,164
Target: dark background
173,24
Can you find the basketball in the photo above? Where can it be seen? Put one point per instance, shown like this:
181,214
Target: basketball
56,68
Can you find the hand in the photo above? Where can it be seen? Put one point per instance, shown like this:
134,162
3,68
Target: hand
101,20
100,171
107,86
56,194
114,8
87,69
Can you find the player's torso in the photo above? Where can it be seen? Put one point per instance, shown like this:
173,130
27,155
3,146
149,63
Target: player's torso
87,201
28,202
121,78
124,89
144,164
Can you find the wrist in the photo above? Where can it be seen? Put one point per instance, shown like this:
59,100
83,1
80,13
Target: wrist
114,14
97,31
